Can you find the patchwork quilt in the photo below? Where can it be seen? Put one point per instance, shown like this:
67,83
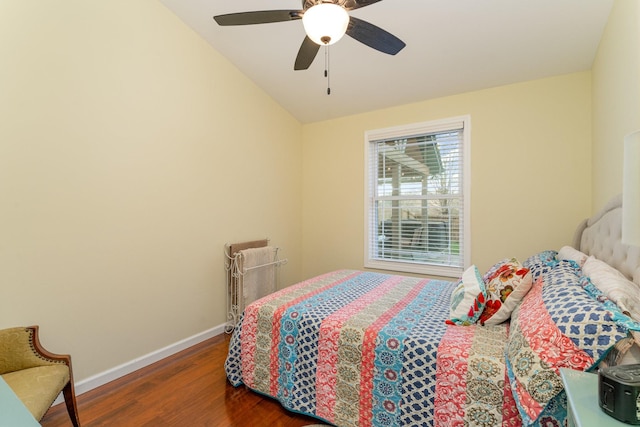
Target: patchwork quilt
362,349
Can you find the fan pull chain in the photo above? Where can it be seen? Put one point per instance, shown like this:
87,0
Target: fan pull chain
326,68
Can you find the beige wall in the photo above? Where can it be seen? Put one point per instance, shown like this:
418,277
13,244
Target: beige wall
616,97
130,153
530,167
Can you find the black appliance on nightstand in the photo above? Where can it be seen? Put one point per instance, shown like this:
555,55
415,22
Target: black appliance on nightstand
619,392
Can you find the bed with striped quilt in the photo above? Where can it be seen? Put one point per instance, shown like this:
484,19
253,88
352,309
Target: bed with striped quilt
364,349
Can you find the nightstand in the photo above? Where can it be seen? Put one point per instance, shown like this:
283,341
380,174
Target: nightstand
582,400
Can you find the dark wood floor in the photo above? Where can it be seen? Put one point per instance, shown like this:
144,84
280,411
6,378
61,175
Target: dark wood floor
187,389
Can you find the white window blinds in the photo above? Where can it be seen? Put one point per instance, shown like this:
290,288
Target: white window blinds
416,198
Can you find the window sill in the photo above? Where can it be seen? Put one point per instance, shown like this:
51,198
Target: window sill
415,268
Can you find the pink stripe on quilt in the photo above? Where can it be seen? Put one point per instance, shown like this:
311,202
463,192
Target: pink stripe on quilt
368,353
326,376
451,373
529,405
247,344
275,331
510,415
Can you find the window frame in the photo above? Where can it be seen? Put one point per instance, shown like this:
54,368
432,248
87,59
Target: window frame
404,131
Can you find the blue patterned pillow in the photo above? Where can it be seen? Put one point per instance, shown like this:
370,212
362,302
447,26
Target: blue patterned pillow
577,314
579,310
559,324
616,312
541,263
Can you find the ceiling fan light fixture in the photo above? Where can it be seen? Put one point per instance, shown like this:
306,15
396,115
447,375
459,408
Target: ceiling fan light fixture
325,23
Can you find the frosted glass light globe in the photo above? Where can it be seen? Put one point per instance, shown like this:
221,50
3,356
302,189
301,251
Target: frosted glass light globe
325,23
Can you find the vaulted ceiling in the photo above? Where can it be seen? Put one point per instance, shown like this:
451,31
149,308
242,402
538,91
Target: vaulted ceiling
453,46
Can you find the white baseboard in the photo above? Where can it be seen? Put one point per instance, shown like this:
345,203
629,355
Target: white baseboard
126,368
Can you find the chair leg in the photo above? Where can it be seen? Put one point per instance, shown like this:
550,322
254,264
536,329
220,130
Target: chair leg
70,401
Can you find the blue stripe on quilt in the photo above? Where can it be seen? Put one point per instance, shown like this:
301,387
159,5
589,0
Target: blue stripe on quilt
299,344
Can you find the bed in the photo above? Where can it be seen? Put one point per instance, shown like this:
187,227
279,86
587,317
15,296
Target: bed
357,348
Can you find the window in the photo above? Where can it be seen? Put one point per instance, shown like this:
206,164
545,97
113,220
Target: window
417,197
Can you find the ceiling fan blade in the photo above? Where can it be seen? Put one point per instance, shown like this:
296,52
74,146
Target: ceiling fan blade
258,17
357,4
306,54
374,37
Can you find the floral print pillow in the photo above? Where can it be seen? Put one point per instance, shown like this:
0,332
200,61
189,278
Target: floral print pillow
506,283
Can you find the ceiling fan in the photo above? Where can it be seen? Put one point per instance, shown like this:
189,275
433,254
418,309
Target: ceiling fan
325,22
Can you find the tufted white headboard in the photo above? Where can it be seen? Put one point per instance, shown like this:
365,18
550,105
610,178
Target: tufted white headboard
601,236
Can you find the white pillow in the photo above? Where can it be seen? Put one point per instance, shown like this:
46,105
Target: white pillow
572,254
614,285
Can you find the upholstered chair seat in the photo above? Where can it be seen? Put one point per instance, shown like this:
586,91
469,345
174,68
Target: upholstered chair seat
35,375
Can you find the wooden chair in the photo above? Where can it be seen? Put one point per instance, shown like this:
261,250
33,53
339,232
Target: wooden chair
36,375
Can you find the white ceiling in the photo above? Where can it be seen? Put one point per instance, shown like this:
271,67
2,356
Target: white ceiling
453,46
